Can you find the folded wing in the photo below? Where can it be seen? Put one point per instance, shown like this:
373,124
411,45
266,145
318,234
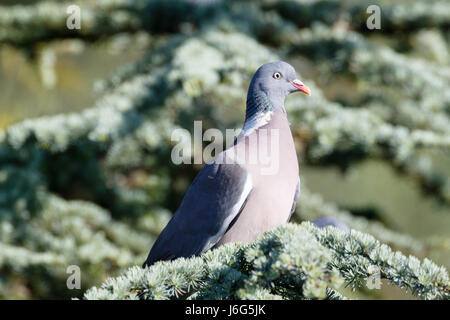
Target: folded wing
211,204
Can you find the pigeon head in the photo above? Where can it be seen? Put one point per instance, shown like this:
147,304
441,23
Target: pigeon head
270,85
276,80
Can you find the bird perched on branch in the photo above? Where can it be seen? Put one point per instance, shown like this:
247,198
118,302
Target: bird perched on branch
249,188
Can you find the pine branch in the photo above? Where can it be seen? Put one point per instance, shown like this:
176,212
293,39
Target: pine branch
26,25
291,262
404,17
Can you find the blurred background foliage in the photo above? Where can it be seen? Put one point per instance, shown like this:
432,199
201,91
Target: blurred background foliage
87,117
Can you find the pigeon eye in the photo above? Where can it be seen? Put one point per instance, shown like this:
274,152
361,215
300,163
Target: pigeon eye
277,75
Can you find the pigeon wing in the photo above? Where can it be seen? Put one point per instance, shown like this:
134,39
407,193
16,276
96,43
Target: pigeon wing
212,203
296,196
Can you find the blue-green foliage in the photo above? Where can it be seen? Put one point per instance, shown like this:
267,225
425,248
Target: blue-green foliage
95,188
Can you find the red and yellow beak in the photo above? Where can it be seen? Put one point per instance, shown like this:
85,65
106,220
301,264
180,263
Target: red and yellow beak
301,87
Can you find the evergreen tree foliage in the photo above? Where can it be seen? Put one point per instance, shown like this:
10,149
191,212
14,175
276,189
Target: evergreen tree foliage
95,188
290,262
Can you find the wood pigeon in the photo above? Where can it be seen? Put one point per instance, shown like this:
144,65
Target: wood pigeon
236,197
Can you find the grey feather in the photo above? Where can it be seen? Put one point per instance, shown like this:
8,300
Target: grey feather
210,205
296,196
330,221
217,207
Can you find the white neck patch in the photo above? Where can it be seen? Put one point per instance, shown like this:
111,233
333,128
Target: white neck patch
255,122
